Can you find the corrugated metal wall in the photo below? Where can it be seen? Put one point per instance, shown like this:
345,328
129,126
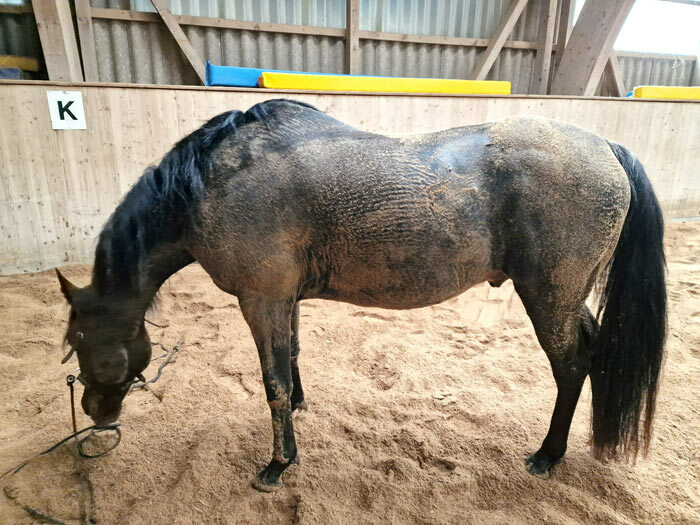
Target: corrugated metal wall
667,71
143,52
454,18
439,61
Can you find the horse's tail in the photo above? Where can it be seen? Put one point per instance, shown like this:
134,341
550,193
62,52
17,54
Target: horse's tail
632,315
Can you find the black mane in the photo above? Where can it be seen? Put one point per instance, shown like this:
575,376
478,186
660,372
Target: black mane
156,207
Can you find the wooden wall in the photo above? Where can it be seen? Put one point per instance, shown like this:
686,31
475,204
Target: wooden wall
57,187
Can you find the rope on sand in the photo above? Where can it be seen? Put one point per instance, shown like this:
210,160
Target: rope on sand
96,429
114,426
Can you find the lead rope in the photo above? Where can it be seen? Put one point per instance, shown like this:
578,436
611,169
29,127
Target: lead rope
70,379
96,429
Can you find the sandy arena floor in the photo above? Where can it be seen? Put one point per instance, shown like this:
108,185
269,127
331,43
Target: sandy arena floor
421,416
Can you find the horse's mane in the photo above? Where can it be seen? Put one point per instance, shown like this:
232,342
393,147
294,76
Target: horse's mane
156,207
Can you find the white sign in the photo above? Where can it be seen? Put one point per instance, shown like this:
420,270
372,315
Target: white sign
66,109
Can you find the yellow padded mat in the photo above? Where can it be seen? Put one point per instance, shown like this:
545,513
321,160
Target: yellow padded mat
382,84
23,63
669,92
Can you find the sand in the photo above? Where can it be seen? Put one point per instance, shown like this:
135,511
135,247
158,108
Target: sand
419,416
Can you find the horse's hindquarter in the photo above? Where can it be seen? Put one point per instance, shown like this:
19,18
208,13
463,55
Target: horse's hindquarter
345,215
562,198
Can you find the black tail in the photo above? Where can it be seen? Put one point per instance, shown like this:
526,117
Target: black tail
632,315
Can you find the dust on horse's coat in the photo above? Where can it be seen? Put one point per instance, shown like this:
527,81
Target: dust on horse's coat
284,203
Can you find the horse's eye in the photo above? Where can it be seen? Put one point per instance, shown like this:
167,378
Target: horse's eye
79,336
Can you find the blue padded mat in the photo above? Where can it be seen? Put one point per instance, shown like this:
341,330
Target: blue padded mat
239,76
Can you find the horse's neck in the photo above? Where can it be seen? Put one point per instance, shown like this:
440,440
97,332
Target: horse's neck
138,276
161,263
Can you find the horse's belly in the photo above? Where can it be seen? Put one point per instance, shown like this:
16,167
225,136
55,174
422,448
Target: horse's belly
413,284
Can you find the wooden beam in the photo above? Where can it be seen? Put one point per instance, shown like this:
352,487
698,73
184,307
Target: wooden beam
55,26
181,39
220,23
352,38
442,40
545,37
589,47
614,76
566,24
16,10
87,40
505,27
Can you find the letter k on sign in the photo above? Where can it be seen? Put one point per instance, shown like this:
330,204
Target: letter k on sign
66,109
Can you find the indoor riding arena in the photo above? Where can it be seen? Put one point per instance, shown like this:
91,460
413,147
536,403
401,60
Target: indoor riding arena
470,229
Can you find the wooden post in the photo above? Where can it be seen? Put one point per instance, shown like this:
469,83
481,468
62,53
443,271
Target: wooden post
545,36
352,39
87,40
616,82
181,39
505,26
55,25
566,24
589,47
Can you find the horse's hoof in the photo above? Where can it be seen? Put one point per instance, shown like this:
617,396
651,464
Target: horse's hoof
301,407
540,465
264,485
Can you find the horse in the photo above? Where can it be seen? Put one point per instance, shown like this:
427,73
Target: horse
282,203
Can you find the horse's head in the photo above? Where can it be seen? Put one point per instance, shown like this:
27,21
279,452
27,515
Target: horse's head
113,348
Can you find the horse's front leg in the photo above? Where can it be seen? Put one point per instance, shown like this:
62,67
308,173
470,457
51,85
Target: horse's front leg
270,323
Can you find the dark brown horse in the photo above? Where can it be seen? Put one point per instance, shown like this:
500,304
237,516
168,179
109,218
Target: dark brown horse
283,203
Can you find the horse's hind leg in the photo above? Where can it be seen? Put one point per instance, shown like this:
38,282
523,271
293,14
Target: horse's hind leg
298,402
566,330
270,323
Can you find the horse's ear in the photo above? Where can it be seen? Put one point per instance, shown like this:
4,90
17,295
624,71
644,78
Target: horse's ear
67,287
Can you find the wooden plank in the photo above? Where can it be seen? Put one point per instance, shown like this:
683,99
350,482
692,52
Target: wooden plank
278,92
505,27
55,26
613,73
15,9
219,23
87,40
442,40
352,39
589,47
543,60
662,56
181,39
566,24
